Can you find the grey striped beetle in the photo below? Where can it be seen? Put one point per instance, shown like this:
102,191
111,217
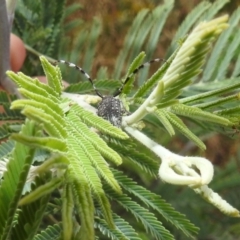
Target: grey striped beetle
110,108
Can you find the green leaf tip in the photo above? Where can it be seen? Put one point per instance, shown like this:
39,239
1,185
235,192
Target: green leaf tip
33,85
53,75
41,191
49,143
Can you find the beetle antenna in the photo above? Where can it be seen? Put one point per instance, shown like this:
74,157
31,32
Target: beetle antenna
84,73
135,71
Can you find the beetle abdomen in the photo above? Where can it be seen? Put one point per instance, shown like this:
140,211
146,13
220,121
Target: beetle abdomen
110,109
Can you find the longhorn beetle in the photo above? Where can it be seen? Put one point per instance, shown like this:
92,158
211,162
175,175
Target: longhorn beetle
110,108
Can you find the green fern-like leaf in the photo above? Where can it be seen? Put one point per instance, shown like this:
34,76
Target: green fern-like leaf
31,215
145,88
101,85
144,161
134,65
161,115
97,142
214,9
218,54
178,123
6,148
39,24
41,191
149,221
85,208
123,231
49,143
14,179
198,114
51,232
7,129
129,40
152,23
67,211
92,142
33,85
189,21
156,203
85,157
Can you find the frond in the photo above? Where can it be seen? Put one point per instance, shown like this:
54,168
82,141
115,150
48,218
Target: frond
53,75
66,138
67,211
229,55
80,149
163,118
92,137
39,25
215,100
156,203
4,97
84,43
33,85
85,207
48,143
6,148
129,41
183,68
145,29
91,41
188,23
145,88
13,180
218,54
139,160
84,155
101,85
123,229
163,11
209,94
7,115
188,60
69,10
51,232
94,148
178,123
7,128
149,221
32,214
41,191
134,65
214,9
197,113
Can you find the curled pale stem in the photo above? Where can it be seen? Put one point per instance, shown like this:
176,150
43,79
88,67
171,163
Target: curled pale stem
195,172
176,169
